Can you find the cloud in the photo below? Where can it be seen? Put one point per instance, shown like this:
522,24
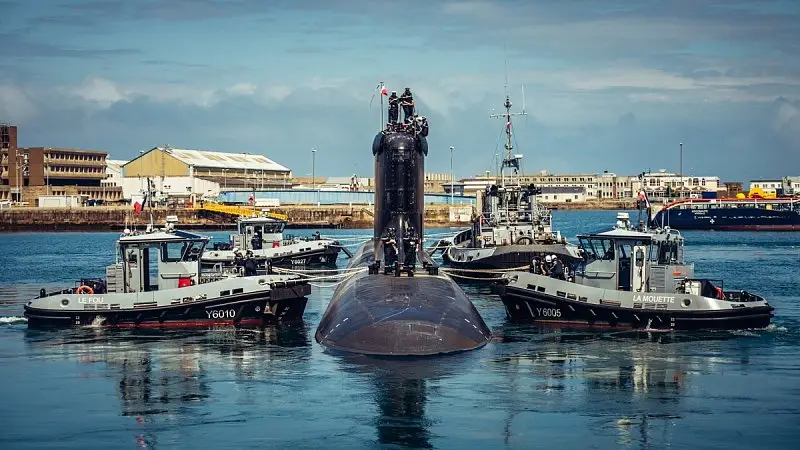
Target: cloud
787,120
611,84
334,116
16,46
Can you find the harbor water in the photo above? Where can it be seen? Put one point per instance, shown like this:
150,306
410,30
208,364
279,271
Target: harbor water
530,387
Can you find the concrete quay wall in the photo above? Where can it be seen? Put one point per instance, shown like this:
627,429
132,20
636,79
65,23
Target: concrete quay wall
100,218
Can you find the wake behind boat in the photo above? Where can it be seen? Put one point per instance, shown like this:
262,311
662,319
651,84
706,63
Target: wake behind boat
631,278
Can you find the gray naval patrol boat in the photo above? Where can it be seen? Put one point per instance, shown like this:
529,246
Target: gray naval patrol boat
631,278
157,282
512,227
262,234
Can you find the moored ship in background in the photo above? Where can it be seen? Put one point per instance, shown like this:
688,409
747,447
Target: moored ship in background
767,214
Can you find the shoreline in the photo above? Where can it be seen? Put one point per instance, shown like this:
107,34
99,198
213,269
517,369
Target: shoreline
116,218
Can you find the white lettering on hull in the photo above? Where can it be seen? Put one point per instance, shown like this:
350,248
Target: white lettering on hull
653,299
548,312
91,300
221,314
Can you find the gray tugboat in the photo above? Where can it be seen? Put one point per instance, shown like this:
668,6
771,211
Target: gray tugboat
262,234
512,227
178,295
631,278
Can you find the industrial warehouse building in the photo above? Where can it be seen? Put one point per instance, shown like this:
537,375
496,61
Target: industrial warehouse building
193,174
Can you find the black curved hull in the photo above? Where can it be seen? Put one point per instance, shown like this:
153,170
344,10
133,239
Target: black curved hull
504,258
401,316
527,306
282,304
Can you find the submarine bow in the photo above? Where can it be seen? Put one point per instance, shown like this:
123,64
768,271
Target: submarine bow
400,305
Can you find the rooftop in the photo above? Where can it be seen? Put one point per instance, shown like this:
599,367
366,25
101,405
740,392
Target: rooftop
115,163
220,160
66,150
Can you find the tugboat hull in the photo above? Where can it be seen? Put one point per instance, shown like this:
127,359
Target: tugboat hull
317,256
559,303
277,305
502,257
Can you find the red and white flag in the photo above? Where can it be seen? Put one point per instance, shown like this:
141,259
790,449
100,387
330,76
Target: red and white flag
384,91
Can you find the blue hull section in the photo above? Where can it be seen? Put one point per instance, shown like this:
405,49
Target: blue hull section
728,219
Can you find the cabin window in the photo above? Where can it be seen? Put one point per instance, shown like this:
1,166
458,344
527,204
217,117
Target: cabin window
276,227
597,248
181,251
666,253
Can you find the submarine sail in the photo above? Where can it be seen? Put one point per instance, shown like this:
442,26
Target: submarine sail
400,305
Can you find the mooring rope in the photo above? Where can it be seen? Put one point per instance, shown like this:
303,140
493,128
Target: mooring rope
305,271
454,269
319,278
473,278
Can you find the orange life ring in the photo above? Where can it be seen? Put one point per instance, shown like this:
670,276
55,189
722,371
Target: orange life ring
85,290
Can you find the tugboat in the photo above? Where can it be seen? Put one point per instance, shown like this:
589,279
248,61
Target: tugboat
263,236
512,227
635,279
179,294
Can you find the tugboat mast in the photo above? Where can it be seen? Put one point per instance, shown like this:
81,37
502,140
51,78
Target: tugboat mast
511,160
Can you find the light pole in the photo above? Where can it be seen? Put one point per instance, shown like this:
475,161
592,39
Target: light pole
141,182
313,168
452,179
48,173
313,171
680,170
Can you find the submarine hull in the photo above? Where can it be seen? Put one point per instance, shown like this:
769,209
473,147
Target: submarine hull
374,314
399,304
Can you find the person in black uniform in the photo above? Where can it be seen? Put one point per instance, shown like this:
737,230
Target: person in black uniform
394,108
410,248
250,266
407,102
389,249
557,269
257,242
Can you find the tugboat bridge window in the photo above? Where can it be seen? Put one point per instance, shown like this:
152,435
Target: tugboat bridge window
263,228
666,252
180,251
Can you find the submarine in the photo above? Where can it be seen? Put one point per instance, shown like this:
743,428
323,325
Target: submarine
401,305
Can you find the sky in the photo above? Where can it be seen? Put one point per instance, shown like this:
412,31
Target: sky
607,85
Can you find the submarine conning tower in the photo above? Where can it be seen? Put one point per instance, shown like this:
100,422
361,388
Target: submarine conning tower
400,200
388,310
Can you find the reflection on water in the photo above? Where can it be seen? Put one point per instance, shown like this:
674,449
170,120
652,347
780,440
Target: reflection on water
161,373
400,392
643,384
